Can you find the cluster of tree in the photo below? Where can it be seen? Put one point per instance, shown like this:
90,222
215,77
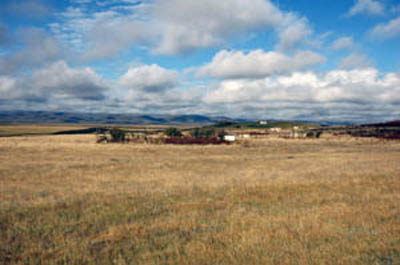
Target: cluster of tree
313,134
117,135
113,135
173,132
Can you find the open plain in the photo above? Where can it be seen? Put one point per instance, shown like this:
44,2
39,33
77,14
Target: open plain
68,200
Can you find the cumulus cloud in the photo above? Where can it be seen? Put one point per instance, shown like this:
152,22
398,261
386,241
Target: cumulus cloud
297,30
154,89
58,81
128,32
187,25
369,7
344,43
157,90
149,78
104,33
174,26
172,101
355,61
309,93
386,31
352,95
257,63
7,87
359,85
38,48
62,81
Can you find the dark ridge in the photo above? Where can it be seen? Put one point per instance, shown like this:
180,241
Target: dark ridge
153,119
384,124
104,118
192,119
82,131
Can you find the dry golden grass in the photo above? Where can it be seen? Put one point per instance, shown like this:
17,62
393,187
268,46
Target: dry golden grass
68,200
32,129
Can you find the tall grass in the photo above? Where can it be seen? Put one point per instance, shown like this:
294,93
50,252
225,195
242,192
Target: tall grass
67,200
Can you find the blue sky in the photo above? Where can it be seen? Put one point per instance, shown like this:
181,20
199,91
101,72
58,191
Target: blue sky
314,60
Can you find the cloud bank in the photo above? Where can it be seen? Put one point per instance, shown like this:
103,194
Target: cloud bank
257,63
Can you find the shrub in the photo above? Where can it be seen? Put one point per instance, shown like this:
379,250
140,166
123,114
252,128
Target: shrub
203,133
117,135
313,134
173,132
310,134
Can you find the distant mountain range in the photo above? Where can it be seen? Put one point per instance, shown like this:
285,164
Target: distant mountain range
106,118
139,119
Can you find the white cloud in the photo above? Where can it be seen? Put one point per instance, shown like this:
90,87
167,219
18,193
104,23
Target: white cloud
356,86
173,100
128,32
355,95
187,25
257,63
7,87
355,61
175,26
296,31
103,33
386,31
62,81
153,89
338,94
149,78
57,81
344,43
38,48
369,7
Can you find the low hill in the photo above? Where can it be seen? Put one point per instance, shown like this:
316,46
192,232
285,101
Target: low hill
105,118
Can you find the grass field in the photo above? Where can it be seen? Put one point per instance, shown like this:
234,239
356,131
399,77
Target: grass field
68,200
24,129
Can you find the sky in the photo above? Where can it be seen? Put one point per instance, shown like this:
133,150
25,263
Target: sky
319,60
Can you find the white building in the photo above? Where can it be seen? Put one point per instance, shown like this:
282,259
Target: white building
229,138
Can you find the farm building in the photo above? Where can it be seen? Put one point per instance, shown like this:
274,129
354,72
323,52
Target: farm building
229,138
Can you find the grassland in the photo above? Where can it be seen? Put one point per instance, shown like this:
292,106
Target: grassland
68,200
36,129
